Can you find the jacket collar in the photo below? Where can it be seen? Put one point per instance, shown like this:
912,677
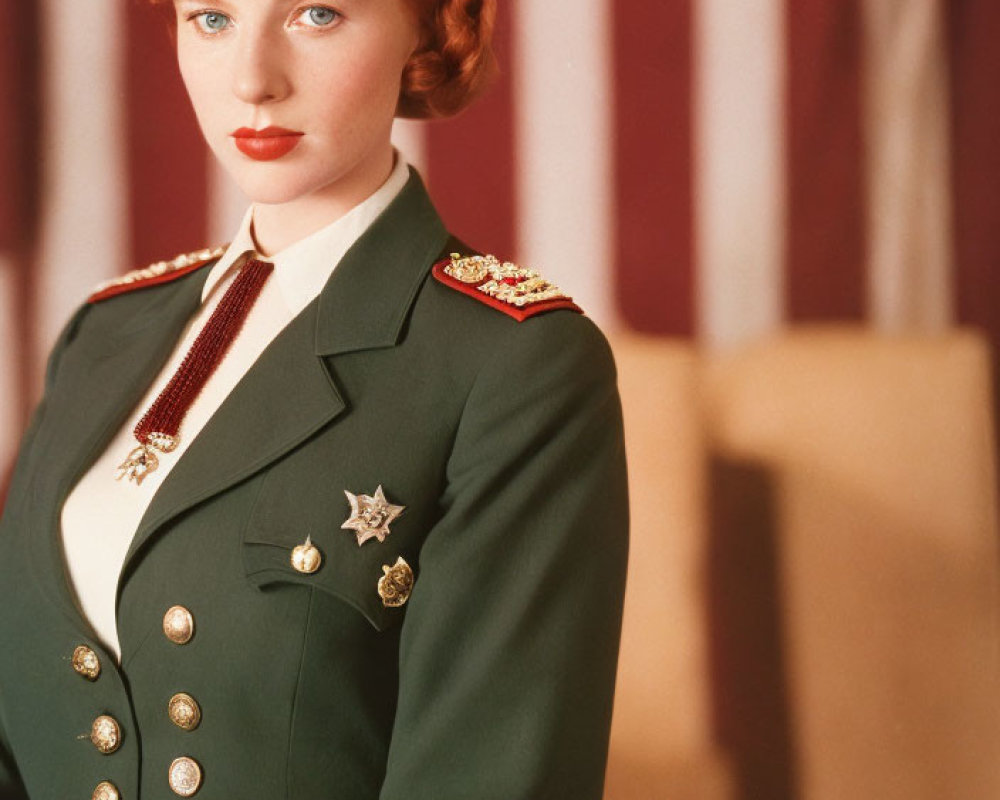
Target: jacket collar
365,302
302,269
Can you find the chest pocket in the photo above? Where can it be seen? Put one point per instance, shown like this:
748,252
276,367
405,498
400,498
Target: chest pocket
287,512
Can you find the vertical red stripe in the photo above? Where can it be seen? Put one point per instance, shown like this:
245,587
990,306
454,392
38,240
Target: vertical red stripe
974,28
166,155
20,111
20,130
653,187
471,159
826,254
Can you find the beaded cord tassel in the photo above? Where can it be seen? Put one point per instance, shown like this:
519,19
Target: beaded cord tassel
159,428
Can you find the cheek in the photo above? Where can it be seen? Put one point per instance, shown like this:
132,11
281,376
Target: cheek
371,84
187,63
203,83
208,121
356,96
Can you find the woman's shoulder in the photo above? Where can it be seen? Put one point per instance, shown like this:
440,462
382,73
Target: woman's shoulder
517,291
487,311
156,273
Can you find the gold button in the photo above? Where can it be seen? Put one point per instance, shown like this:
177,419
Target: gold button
184,711
105,734
106,790
184,776
178,625
86,662
395,584
306,557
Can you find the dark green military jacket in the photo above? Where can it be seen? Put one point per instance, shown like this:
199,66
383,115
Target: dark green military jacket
502,439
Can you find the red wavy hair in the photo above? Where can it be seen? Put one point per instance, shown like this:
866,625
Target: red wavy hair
454,61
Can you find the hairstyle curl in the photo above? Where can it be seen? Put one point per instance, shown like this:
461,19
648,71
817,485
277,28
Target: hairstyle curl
454,62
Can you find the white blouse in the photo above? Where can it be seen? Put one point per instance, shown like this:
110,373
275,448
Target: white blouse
101,514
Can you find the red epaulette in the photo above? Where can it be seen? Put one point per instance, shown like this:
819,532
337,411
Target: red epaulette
516,291
160,272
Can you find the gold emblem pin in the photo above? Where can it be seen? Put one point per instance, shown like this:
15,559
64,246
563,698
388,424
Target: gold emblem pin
142,460
371,515
306,558
471,269
395,585
508,282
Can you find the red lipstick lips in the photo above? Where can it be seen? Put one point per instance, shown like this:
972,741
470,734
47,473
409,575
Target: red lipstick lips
267,144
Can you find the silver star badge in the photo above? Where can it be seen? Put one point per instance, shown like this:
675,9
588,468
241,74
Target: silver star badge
371,515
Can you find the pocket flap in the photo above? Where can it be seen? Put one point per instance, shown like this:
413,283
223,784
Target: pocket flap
346,570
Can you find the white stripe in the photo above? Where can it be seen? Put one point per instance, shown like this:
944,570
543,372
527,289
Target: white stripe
10,389
739,169
564,160
84,231
908,154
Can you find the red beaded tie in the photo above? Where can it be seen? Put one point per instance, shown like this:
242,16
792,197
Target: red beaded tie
160,425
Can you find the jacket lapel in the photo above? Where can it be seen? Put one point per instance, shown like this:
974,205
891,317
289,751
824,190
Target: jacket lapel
290,393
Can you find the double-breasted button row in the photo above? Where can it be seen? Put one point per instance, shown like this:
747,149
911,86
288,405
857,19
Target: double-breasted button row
184,776
184,773
178,625
106,734
106,790
184,711
86,662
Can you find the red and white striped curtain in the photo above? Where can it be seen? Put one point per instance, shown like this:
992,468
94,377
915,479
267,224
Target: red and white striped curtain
710,170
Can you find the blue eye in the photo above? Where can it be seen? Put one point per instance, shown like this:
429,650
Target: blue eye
212,21
318,17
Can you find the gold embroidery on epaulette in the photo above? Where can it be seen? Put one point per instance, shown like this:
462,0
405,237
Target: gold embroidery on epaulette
163,267
507,282
471,269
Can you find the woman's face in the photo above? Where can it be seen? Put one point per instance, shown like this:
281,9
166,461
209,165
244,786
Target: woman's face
329,75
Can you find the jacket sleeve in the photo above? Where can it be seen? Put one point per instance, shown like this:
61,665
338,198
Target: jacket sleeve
11,787
509,648
55,355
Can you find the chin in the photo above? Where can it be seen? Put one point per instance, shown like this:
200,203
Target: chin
269,186
270,193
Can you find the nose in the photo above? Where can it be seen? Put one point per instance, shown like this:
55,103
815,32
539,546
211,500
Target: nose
260,69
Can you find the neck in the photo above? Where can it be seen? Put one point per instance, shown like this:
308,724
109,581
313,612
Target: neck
275,227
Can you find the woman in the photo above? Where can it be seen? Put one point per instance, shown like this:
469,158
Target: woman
331,512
